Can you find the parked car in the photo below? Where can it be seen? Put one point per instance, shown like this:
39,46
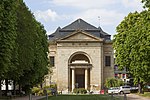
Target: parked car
147,88
119,90
124,89
134,89
114,90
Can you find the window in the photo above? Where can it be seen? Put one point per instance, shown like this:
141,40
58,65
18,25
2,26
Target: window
52,61
107,61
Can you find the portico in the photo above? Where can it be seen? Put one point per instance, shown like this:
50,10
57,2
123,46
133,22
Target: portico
79,78
79,69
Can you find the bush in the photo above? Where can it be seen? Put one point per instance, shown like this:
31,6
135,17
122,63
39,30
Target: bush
48,89
112,82
53,86
35,90
40,93
134,91
80,90
49,92
146,89
75,90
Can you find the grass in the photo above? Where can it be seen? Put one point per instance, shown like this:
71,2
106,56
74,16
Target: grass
83,97
146,94
4,98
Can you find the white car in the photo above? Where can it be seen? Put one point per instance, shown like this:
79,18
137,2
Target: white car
119,90
124,89
113,90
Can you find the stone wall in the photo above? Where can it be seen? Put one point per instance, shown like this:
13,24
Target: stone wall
96,52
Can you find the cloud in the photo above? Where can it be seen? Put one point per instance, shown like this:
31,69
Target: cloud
47,15
135,4
85,4
107,17
111,12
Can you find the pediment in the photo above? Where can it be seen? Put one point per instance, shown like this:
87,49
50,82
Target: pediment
80,36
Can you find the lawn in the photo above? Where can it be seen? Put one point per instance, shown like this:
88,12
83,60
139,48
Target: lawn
146,94
82,97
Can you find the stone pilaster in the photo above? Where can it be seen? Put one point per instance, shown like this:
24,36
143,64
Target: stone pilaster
86,78
73,79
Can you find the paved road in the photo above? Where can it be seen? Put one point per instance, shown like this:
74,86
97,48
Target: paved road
136,97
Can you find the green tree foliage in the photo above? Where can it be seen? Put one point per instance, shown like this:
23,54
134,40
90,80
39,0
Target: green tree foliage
113,82
33,48
132,45
25,39
146,3
7,34
23,45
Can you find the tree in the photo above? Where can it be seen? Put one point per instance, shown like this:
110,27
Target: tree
146,3
23,45
112,82
132,46
32,49
7,36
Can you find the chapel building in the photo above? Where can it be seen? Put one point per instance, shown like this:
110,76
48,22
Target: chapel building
81,56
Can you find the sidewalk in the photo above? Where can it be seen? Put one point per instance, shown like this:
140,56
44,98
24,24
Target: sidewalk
27,98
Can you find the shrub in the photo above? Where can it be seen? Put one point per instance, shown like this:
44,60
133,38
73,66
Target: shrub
134,91
83,91
112,82
40,93
75,90
35,90
80,90
46,87
146,89
49,92
53,86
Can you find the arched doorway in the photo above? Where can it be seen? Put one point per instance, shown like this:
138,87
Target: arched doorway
79,71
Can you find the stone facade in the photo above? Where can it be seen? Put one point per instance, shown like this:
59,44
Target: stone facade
79,57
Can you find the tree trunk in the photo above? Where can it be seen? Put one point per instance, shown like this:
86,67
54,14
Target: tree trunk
19,89
140,85
14,89
6,82
0,88
41,86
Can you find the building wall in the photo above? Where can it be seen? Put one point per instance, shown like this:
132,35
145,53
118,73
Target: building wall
65,50
96,52
108,70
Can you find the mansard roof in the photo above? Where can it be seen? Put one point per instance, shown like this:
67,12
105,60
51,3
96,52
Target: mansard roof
79,24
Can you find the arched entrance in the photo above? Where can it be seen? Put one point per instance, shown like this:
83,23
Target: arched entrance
79,71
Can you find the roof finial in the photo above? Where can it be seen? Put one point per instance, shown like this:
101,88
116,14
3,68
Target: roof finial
79,20
99,20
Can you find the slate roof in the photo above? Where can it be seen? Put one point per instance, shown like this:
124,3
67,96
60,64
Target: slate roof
79,24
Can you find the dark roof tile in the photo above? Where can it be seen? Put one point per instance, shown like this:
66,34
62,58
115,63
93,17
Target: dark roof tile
79,24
